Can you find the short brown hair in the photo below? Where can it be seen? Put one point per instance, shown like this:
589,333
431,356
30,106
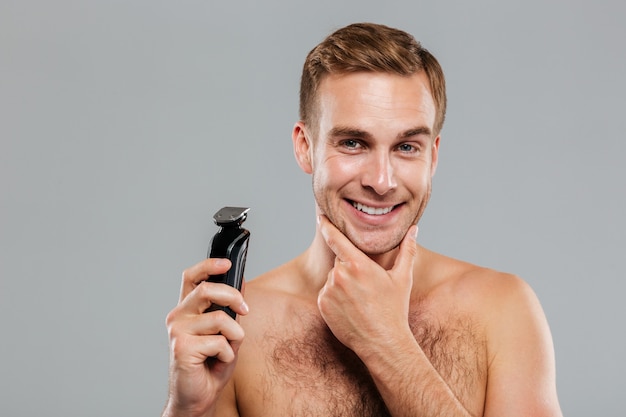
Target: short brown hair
372,48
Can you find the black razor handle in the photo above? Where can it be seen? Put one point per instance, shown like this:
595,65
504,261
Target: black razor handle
231,242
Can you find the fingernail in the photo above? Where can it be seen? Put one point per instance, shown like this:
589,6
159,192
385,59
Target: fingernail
414,233
317,218
244,308
221,262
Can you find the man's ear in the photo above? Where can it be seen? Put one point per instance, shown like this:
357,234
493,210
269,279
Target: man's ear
435,156
302,147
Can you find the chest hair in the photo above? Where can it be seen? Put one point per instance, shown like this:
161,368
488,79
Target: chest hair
315,375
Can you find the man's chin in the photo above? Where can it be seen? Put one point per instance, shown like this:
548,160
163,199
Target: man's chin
373,247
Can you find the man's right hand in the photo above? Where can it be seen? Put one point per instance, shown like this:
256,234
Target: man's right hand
203,346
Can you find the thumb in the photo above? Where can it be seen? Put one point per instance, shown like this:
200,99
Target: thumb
408,251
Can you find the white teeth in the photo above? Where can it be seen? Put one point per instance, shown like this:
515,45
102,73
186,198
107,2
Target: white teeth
371,210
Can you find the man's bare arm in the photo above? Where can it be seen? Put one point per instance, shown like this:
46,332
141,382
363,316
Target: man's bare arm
522,376
409,384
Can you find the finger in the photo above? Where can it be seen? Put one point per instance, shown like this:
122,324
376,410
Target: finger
216,322
208,293
201,272
214,346
338,242
408,251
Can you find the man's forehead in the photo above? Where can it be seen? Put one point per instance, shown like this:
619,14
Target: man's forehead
349,100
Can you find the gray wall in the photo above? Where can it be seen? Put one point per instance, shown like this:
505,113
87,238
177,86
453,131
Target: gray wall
126,124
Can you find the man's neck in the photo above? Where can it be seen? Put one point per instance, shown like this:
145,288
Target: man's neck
317,261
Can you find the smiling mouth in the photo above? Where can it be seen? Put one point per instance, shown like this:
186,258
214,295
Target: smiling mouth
375,211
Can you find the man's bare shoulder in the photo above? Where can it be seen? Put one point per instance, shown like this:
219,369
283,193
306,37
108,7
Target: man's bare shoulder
486,294
275,280
283,281
462,278
500,302
277,296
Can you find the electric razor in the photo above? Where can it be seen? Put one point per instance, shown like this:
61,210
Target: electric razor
230,241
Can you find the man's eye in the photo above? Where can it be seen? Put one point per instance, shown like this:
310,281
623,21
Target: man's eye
406,147
351,143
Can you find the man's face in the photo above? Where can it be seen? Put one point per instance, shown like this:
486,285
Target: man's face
374,155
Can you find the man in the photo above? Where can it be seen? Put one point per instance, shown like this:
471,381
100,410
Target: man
365,322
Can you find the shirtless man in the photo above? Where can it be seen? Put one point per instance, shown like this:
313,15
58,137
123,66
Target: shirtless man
365,322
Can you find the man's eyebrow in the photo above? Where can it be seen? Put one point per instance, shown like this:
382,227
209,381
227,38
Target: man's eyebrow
343,131
417,131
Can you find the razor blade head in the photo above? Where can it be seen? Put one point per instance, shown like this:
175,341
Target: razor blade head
231,216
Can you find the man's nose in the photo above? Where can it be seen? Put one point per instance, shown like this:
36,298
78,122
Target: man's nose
379,173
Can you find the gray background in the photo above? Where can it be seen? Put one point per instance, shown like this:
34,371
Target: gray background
125,124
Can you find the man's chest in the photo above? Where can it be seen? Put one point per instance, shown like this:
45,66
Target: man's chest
305,371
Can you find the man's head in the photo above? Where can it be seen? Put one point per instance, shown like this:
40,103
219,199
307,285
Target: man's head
372,104
368,47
